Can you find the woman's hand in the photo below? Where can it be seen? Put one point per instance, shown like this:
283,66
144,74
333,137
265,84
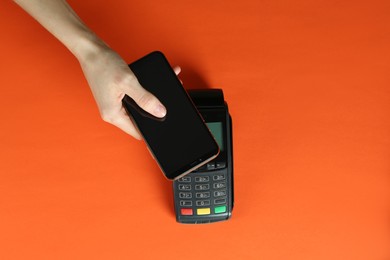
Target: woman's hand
110,79
108,75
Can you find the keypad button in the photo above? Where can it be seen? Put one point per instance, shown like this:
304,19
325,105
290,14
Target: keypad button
185,195
186,211
186,203
219,185
184,187
202,179
185,179
218,177
219,193
202,195
220,165
210,166
220,209
203,211
202,187
202,203
220,201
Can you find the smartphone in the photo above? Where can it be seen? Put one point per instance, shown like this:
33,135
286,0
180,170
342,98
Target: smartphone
207,195
180,142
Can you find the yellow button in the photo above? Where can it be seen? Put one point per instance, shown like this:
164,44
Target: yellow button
203,211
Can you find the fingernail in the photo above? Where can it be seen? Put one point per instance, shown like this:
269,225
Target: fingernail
160,111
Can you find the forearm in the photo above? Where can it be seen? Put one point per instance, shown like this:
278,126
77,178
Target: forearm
108,75
61,21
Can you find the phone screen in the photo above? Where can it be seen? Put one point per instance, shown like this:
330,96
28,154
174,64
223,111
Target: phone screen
180,142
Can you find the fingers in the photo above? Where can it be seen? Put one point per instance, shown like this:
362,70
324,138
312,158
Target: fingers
150,103
145,100
177,70
123,122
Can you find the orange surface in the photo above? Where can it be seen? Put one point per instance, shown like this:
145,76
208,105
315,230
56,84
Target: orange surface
309,91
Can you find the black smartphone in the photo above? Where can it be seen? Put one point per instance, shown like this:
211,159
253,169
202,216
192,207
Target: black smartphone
180,142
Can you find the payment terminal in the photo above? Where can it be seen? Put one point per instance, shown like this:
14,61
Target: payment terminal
206,194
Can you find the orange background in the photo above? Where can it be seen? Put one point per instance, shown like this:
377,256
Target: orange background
307,83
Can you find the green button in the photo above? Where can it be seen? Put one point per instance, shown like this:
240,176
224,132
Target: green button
220,209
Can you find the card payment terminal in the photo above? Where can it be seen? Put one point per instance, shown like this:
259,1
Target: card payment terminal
206,195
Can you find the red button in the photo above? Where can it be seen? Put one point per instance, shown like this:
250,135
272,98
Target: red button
186,212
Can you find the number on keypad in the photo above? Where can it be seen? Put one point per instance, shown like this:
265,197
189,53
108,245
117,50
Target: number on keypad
204,194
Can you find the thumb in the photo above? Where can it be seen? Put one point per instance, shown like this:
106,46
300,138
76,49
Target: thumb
146,100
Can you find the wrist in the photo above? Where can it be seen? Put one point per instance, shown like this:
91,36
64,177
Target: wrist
88,46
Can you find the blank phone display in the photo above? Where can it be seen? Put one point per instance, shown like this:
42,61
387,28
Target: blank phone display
181,139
